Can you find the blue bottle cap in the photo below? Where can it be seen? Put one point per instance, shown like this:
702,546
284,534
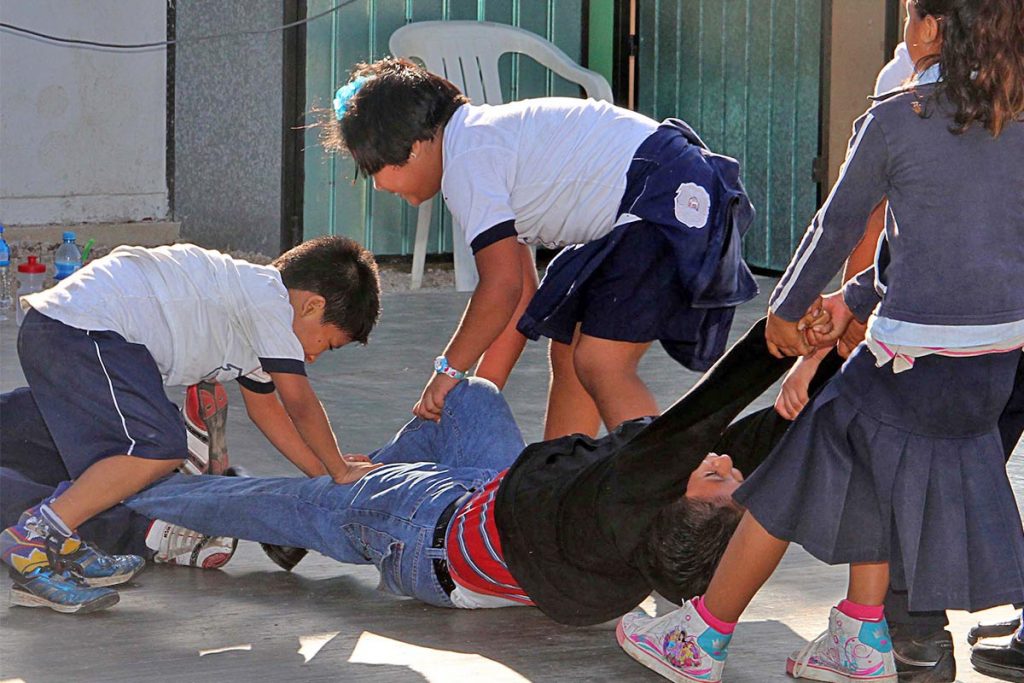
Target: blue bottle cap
69,235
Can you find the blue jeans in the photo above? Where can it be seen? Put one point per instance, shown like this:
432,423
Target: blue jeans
387,518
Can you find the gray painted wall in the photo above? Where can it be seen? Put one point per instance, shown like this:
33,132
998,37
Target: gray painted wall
82,132
227,147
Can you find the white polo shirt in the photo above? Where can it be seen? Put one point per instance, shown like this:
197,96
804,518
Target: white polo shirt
551,171
200,314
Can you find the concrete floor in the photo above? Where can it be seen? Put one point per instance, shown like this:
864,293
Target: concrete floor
326,622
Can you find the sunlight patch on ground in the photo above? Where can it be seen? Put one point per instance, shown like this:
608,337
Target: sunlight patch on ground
309,646
230,648
434,665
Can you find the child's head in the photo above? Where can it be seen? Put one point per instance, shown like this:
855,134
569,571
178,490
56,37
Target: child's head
979,45
387,112
683,545
334,285
714,478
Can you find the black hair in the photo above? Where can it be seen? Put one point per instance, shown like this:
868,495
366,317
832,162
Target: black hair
344,274
400,103
683,545
982,59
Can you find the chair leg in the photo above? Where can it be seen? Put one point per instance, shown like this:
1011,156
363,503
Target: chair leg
419,252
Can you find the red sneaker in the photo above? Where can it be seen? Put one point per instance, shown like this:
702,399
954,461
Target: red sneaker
206,411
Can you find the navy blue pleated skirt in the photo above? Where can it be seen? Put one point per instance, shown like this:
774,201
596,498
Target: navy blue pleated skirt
907,468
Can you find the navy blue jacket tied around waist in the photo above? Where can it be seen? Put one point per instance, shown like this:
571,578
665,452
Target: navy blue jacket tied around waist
697,201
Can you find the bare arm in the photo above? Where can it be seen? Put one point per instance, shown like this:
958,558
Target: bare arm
310,421
488,313
502,355
267,413
863,255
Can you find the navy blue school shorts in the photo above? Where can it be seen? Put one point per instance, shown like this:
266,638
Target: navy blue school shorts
99,394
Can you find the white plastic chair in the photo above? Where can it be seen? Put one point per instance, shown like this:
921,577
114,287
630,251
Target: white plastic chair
467,54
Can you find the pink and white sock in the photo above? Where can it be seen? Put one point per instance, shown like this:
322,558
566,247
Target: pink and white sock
861,612
723,627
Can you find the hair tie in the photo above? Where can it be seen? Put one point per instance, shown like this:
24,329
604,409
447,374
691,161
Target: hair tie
345,94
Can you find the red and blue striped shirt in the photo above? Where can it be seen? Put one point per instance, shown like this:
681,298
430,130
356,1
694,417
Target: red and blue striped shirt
474,554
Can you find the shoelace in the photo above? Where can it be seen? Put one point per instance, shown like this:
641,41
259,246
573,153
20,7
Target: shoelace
182,540
42,572
803,659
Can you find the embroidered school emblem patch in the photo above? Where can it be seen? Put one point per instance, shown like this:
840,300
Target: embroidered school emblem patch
692,205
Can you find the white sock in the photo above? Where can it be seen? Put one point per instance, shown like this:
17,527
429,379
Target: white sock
54,521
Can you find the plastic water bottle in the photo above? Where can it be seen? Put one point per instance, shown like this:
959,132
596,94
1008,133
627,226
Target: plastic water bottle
6,284
68,258
31,275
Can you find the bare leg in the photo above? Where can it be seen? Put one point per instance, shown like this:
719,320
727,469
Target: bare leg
752,556
571,410
869,582
608,371
106,483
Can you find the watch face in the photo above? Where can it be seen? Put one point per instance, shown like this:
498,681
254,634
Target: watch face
439,364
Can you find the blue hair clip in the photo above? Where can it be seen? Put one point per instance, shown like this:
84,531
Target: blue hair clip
345,94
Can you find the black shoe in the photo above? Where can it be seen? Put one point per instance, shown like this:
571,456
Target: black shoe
1005,662
997,630
924,659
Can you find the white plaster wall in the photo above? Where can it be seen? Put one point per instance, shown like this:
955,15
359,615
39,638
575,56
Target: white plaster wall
82,132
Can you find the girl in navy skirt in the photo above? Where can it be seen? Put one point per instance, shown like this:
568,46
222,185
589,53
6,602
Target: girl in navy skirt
649,218
896,466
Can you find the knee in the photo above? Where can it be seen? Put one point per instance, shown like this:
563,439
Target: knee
593,368
168,467
474,390
596,369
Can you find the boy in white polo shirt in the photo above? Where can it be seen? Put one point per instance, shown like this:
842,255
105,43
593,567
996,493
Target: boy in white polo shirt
98,349
649,218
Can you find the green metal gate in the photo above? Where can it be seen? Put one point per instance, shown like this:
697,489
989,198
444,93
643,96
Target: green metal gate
333,203
746,75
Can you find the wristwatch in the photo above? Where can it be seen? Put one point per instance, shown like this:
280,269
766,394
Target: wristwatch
441,367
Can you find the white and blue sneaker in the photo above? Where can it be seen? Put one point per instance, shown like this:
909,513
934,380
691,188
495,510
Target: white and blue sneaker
680,646
850,651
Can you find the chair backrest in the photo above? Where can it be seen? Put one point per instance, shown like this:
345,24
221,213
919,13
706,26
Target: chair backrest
467,54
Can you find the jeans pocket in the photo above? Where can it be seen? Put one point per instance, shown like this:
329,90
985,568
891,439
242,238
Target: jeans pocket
383,551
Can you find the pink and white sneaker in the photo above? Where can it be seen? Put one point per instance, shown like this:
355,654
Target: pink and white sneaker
850,651
680,645
177,545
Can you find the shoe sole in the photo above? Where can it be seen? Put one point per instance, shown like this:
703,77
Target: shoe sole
106,581
943,671
214,561
653,663
1005,673
217,560
23,598
815,673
